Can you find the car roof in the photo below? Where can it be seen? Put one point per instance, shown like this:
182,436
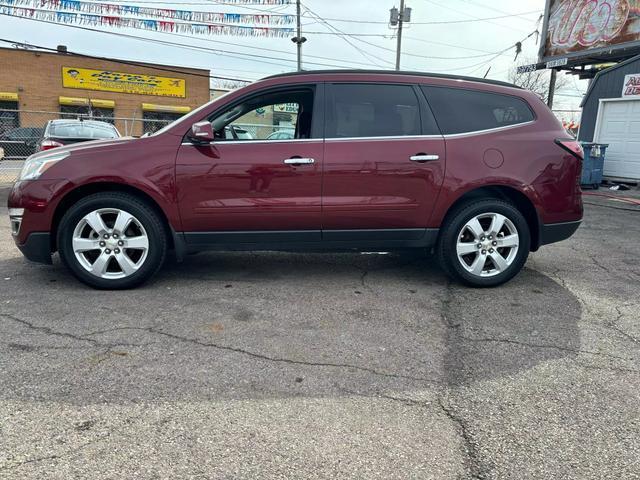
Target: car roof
393,73
73,121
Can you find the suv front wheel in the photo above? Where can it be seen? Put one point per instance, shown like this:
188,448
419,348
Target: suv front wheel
484,243
112,240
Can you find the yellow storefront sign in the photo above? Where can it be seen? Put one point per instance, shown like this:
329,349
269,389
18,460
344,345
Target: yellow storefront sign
122,82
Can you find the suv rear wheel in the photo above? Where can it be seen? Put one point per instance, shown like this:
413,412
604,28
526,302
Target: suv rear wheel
112,240
484,243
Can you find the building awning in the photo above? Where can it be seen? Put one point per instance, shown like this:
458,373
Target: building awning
85,102
152,107
8,97
81,102
95,102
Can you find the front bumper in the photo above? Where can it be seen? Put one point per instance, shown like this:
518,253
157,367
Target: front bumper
31,207
37,247
556,232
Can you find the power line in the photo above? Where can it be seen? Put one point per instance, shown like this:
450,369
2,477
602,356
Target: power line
443,44
341,34
443,22
125,62
269,59
222,43
174,21
472,16
429,57
478,66
209,2
236,5
180,4
232,54
507,14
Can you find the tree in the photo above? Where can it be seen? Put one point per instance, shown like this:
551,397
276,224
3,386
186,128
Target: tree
537,80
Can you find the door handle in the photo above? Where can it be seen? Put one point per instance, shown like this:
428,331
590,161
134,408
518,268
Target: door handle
299,161
423,157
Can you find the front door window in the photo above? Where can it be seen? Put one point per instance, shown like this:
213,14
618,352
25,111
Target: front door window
273,116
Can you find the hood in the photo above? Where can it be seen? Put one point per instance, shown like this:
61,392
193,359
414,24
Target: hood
76,147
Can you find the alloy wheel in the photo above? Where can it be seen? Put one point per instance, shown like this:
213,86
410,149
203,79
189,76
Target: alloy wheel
487,244
110,243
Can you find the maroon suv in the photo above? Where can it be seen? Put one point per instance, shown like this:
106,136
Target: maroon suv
477,170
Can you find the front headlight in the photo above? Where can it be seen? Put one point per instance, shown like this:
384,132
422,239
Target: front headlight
36,165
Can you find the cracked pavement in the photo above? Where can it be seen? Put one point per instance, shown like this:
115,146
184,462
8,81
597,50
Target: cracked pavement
272,365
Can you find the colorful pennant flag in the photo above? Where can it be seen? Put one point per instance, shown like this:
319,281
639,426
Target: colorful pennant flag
198,28
124,10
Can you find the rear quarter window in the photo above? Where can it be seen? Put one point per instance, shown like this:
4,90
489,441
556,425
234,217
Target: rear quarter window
460,110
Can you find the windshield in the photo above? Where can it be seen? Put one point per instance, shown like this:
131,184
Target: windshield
82,130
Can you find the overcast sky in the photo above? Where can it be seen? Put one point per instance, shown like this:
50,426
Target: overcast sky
474,39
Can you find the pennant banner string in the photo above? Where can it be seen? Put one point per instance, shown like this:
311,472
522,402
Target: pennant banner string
145,24
122,10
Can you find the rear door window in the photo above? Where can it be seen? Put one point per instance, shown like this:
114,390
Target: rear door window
459,110
372,110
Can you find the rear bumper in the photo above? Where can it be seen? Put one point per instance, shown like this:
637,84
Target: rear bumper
556,232
37,247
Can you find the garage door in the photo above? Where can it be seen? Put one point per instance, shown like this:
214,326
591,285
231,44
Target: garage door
619,126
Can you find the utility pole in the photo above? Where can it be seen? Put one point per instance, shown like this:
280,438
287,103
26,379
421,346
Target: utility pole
398,18
552,88
299,39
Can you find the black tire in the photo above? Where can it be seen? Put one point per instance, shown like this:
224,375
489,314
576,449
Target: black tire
150,220
453,225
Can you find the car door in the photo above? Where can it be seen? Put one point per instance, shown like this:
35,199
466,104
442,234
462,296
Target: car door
384,161
250,189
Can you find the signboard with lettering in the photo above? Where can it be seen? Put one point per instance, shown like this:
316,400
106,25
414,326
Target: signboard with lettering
110,81
286,108
576,29
631,85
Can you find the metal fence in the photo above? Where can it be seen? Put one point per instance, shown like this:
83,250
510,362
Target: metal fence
21,132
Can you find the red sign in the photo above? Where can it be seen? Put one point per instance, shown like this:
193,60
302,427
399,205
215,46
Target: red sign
574,28
631,86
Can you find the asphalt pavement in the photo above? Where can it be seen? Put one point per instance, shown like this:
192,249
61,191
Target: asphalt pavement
306,366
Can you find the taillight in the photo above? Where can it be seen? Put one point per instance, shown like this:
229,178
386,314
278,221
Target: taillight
49,144
572,146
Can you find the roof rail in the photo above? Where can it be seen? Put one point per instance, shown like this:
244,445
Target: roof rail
393,72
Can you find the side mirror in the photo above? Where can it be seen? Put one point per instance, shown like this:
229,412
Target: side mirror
202,132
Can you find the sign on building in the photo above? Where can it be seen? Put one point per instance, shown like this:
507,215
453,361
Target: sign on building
631,85
110,81
582,28
286,108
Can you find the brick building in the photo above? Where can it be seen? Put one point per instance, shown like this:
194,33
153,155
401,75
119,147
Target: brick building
136,97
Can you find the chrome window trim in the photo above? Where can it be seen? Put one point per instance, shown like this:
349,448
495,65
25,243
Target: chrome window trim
488,130
253,142
389,137
450,135
369,139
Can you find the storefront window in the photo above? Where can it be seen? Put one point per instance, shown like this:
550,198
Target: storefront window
90,113
73,111
102,114
154,121
9,118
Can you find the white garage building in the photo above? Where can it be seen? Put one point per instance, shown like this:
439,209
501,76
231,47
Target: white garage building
611,114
